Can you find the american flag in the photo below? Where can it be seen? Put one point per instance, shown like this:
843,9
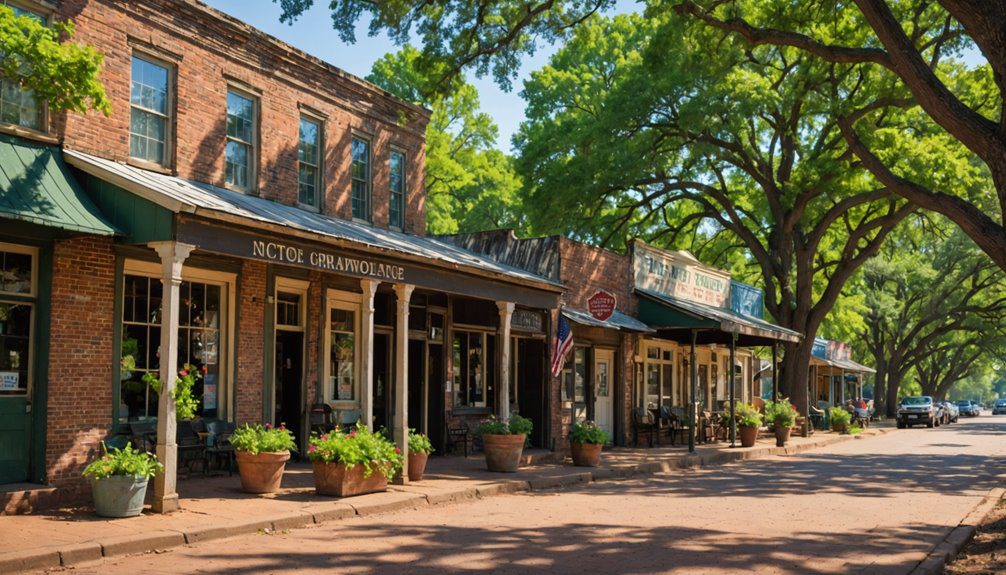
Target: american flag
563,341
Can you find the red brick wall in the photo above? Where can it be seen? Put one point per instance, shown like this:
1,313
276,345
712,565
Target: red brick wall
209,50
586,269
80,357
251,330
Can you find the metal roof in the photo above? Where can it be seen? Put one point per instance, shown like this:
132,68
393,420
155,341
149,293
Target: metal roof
187,196
728,320
618,320
37,187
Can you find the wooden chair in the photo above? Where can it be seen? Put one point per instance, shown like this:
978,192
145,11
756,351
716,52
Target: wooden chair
457,433
320,418
643,424
679,427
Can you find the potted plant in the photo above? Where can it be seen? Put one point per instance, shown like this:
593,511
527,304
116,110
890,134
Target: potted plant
840,419
354,463
782,415
262,453
503,442
119,480
585,443
749,419
420,449
186,403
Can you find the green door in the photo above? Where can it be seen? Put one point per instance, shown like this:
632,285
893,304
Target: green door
15,417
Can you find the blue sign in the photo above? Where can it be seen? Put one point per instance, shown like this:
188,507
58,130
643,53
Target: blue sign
747,299
820,348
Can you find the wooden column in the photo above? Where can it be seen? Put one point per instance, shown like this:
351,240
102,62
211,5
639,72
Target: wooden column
367,350
172,255
403,293
506,314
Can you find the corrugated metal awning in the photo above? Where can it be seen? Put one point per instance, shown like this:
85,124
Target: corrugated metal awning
36,186
618,320
675,313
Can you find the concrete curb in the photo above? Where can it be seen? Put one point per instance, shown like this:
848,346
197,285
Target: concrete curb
390,501
946,550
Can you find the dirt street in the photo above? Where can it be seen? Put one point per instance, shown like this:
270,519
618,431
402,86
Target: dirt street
875,505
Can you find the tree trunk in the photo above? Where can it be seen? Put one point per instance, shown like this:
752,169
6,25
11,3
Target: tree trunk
880,385
893,385
795,369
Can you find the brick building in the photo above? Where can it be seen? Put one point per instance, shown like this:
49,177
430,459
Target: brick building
246,208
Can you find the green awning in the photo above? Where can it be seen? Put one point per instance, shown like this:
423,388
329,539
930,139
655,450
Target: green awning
36,186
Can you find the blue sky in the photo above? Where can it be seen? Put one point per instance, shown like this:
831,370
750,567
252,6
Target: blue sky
313,33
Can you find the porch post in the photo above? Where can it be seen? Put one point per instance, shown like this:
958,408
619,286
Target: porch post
775,371
172,254
694,410
367,348
403,293
732,382
506,314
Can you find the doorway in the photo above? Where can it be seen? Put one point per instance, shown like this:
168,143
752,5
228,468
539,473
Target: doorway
417,387
604,412
289,379
529,371
436,423
382,380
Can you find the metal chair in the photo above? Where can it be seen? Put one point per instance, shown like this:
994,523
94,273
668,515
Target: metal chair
219,445
457,433
320,418
643,424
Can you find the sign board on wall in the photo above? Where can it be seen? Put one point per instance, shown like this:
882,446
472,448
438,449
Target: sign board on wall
680,275
601,305
9,380
527,320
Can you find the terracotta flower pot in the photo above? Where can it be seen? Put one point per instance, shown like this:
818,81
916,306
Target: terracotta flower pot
261,472
749,435
586,454
342,481
503,452
417,465
782,435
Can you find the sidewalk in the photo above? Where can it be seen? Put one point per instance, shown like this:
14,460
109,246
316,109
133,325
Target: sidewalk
214,507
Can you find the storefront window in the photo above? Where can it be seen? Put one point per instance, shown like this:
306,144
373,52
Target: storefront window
660,378
342,355
580,375
199,343
474,362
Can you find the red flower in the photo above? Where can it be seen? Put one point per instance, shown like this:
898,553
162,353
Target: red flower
311,448
268,426
352,433
324,437
204,370
282,426
397,450
183,373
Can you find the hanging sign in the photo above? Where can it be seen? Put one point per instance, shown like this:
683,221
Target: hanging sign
680,275
601,305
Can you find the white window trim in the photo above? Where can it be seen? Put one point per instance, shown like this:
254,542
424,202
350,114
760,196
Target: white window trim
169,123
405,187
671,364
227,281
26,250
348,301
370,177
319,184
294,286
253,156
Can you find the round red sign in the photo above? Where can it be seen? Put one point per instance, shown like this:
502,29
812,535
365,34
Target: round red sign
601,305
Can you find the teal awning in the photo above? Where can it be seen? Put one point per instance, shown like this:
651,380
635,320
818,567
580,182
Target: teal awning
36,186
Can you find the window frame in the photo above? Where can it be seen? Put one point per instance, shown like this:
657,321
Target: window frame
369,216
319,178
253,145
400,224
346,301
169,122
489,376
31,300
44,12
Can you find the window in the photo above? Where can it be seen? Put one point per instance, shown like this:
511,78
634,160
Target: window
309,162
342,357
149,121
659,378
361,179
474,368
288,310
240,150
19,106
396,209
17,288
199,343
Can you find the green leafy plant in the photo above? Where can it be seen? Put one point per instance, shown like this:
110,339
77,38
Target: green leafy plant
840,418
186,402
855,430
781,413
588,432
263,439
419,443
520,425
747,415
358,447
516,425
125,461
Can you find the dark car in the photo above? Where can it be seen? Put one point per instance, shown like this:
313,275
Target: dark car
968,408
918,410
999,407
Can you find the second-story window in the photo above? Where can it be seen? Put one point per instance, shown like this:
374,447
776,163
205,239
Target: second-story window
240,153
309,161
361,179
149,120
18,106
396,209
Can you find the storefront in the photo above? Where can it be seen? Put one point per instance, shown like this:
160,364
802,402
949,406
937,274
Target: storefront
836,378
283,309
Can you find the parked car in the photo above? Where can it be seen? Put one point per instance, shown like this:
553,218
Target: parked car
916,410
968,408
952,412
999,407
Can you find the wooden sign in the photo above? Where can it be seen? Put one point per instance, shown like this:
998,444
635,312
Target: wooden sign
680,275
601,305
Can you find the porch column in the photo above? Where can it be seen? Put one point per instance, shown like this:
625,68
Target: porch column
694,408
172,254
732,382
775,372
367,348
506,314
403,293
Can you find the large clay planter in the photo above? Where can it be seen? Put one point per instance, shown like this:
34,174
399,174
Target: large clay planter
586,454
839,427
782,435
749,435
119,495
503,452
417,465
261,472
342,481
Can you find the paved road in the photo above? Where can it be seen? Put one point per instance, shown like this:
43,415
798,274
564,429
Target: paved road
875,505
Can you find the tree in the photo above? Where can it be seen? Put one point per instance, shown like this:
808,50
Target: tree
63,74
489,36
908,41
470,184
638,128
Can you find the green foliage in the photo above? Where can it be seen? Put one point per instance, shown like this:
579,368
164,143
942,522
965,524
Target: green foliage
839,417
186,402
358,447
516,426
125,461
588,432
63,74
520,425
263,439
855,430
781,413
747,415
419,443
470,185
